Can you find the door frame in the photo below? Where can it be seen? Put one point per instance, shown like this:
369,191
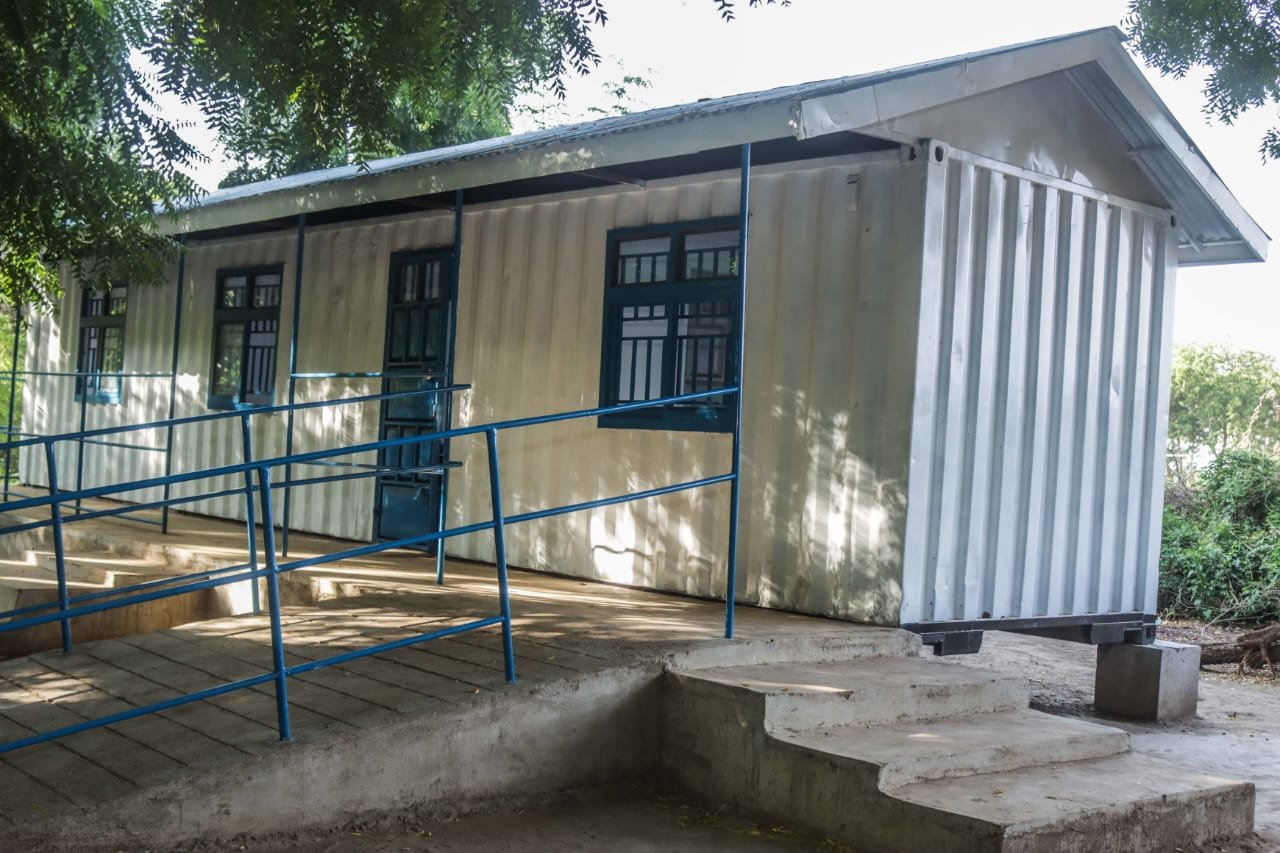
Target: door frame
449,282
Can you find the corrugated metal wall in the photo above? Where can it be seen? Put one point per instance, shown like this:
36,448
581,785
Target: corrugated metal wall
826,410
828,403
1041,399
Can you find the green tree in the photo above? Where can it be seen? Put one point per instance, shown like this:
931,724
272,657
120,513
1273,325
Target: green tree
1221,399
84,158
1220,552
87,159
1238,41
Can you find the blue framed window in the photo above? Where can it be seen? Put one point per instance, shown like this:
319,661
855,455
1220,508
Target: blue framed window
670,308
246,330
100,357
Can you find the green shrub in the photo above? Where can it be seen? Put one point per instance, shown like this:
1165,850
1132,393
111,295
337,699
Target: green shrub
1220,556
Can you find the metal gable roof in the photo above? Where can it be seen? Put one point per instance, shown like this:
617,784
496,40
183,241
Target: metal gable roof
1216,227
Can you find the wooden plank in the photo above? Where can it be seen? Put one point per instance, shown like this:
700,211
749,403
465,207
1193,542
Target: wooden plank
187,667
314,691
122,756
201,733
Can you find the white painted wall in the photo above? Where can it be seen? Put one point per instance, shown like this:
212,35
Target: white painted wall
828,376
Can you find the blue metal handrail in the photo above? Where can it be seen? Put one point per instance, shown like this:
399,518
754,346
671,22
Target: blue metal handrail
263,488
69,608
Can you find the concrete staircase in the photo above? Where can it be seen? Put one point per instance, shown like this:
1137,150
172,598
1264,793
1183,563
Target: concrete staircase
913,754
28,576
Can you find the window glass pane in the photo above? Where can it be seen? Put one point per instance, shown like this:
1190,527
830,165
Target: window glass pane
642,346
260,361
407,289
112,350
227,356
711,255
118,301
89,358
435,327
92,303
433,280
266,290
232,292
643,261
422,407
702,348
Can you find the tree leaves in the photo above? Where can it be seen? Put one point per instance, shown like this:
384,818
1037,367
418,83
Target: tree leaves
1237,40
88,159
1219,401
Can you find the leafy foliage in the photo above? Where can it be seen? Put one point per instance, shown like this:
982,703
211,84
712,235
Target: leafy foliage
84,157
620,91
1220,556
87,158
289,86
1237,40
1221,399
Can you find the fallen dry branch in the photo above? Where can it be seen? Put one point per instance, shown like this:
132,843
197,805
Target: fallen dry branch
1253,650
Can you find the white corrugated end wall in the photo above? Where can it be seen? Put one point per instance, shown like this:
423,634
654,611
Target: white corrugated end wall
830,335
1041,399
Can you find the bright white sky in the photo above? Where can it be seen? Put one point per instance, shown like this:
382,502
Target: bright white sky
687,52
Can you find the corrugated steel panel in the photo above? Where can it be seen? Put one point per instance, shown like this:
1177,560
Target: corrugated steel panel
825,408
1041,406
829,363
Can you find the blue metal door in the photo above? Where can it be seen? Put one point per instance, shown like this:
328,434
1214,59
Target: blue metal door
417,356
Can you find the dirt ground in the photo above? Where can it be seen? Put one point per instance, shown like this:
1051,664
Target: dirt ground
626,820
1236,734
1236,731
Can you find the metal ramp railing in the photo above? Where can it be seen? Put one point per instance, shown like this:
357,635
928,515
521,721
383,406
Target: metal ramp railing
258,483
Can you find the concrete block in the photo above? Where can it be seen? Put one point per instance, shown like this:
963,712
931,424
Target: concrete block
1156,682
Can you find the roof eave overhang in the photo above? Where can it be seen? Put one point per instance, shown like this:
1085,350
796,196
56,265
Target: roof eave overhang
673,139
868,108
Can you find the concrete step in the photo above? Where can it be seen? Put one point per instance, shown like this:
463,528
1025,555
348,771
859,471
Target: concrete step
31,579
1122,803
900,754
863,692
921,755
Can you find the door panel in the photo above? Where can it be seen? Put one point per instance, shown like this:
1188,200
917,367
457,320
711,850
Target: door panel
408,502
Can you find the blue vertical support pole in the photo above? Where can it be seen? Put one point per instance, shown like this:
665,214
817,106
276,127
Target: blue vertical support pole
59,551
13,384
82,382
451,339
173,380
246,445
293,381
735,485
273,604
500,552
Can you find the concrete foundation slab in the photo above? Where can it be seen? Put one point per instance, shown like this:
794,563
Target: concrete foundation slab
1156,682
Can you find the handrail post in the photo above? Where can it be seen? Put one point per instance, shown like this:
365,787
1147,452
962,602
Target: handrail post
13,384
735,485
273,604
82,382
246,445
293,381
173,379
450,338
500,552
59,551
